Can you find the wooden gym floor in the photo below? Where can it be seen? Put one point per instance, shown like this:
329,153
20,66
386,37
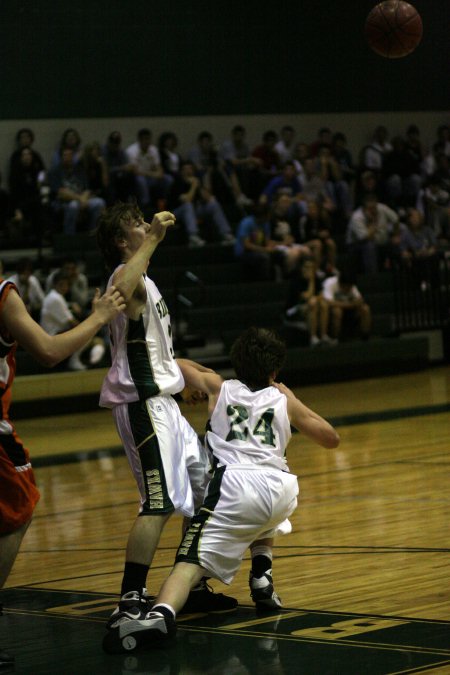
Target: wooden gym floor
364,576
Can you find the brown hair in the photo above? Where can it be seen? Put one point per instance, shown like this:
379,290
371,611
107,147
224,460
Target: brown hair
110,227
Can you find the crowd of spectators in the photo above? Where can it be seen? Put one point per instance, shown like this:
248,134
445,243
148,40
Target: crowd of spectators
283,203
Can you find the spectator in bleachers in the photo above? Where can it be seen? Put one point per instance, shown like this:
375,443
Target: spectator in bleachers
286,183
315,233
268,159
402,178
367,183
95,170
235,152
285,146
70,140
254,247
29,286
343,309
120,169
314,187
299,156
170,159
303,304
336,187
415,146
324,139
442,143
56,317
372,155
25,197
25,139
368,234
191,202
343,157
78,295
419,248
70,195
284,234
434,205
152,184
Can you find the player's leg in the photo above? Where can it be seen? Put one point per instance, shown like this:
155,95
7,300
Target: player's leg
9,548
260,578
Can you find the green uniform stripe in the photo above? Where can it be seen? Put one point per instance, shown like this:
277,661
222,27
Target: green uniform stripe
139,360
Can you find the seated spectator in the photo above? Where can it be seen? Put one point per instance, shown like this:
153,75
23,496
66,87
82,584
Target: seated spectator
217,176
401,175
284,234
337,189
191,202
299,156
442,143
343,310
433,202
285,183
314,187
120,169
5,210
56,317
25,197
343,157
367,183
29,286
170,158
254,247
70,140
303,305
235,152
25,139
420,250
315,233
368,234
285,146
324,139
70,195
415,147
95,170
372,155
269,163
152,185
78,295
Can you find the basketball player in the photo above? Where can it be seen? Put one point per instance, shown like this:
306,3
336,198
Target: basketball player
251,492
18,493
167,460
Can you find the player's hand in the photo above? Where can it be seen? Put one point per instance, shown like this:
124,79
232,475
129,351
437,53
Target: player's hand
108,305
284,390
161,221
193,396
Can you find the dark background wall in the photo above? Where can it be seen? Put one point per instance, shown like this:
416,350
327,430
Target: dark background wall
106,58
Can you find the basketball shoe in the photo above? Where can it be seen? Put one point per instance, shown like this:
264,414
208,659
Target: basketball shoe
131,624
262,591
203,599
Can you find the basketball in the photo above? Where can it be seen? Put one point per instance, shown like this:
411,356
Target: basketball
393,29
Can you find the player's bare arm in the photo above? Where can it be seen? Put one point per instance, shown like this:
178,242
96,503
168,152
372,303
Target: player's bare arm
207,382
137,246
51,349
307,421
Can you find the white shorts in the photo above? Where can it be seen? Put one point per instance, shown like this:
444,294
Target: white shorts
243,503
170,465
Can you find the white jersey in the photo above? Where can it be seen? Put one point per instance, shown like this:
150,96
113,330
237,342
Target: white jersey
143,362
249,427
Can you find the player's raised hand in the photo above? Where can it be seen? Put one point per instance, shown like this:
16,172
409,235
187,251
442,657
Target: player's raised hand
161,221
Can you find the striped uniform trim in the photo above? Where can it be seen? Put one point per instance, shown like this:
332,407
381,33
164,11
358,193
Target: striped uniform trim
139,361
157,499
188,550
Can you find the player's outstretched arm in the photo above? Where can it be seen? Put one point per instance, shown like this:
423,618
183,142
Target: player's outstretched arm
206,380
51,349
307,421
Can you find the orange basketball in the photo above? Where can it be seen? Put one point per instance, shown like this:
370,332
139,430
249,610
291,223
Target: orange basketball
393,29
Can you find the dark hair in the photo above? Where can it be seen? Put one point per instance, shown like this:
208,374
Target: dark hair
24,130
238,127
144,132
270,136
60,276
256,355
110,227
